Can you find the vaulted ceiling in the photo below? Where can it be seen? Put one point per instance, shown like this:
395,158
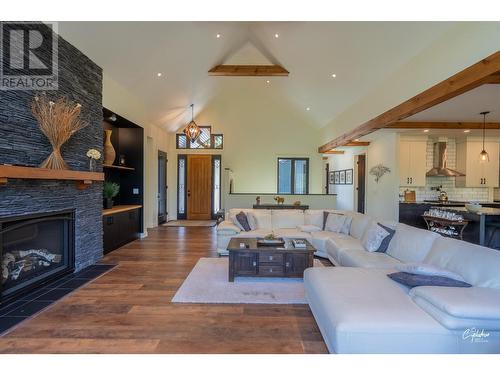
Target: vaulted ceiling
360,54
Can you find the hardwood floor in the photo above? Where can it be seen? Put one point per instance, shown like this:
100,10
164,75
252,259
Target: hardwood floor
128,310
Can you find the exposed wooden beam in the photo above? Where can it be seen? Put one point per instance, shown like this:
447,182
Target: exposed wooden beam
248,71
334,152
466,80
495,79
442,125
357,143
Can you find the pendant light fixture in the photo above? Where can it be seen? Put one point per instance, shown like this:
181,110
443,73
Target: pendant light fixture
192,130
483,155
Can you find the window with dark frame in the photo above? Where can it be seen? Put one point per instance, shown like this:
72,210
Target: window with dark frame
293,175
207,140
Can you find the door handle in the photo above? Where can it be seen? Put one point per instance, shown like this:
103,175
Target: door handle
189,193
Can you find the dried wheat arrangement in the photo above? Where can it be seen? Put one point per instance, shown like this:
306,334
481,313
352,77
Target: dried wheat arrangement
58,120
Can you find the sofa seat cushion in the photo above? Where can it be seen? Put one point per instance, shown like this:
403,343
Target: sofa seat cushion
478,265
410,244
475,302
361,310
228,227
320,238
363,258
253,233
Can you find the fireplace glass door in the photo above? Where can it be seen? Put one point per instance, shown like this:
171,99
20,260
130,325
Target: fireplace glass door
34,249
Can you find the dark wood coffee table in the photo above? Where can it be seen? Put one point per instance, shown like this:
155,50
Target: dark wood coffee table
268,261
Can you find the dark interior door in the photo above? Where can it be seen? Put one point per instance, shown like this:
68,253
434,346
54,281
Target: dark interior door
361,182
162,187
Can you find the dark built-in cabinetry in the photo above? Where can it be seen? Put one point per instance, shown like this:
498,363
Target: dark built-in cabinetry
123,223
121,226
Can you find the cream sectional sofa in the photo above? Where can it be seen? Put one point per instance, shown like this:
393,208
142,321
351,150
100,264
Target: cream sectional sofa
360,310
286,223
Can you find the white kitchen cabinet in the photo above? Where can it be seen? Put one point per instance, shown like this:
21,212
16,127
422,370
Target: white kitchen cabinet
412,162
477,174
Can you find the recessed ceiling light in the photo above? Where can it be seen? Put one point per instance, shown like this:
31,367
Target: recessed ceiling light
426,130
218,36
334,75
276,35
268,81
159,74
308,108
466,131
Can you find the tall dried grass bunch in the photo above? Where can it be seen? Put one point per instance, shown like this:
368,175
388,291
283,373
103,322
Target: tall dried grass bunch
58,120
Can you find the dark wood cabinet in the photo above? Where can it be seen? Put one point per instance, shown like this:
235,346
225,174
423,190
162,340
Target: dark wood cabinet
121,228
246,263
295,264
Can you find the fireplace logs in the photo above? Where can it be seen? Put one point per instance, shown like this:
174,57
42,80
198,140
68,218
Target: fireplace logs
17,263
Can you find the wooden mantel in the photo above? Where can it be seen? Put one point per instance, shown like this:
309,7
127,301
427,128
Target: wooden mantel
82,179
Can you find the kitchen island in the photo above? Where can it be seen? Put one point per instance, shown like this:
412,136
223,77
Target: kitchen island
481,225
488,219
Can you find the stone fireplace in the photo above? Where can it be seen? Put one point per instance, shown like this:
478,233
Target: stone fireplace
49,227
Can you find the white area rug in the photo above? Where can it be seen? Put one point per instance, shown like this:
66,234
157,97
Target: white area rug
208,283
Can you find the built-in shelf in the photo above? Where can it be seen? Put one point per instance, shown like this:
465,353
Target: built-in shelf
120,208
109,166
83,179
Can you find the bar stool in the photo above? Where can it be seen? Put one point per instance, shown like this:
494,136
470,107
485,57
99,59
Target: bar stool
496,226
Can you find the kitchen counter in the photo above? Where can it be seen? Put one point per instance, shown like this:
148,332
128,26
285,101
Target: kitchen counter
120,208
490,211
480,229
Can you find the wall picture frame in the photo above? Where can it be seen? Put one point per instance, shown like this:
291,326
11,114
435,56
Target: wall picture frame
342,177
336,178
348,176
331,178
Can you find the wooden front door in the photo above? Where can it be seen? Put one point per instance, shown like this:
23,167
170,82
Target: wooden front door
199,187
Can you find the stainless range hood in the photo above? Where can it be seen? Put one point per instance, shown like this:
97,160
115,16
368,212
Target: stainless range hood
440,161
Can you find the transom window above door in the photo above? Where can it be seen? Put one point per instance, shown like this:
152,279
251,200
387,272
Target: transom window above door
293,175
206,140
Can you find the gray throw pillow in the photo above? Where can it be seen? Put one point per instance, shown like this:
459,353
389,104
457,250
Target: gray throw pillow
413,280
385,242
243,220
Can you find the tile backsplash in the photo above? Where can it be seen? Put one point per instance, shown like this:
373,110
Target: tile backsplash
448,183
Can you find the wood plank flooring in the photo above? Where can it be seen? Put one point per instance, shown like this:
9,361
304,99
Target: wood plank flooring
128,310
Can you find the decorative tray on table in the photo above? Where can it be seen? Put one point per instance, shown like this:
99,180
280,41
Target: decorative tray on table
275,241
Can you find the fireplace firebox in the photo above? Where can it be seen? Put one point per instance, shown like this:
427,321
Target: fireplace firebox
35,249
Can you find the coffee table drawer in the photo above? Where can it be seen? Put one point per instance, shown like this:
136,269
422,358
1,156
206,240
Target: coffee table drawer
271,258
268,270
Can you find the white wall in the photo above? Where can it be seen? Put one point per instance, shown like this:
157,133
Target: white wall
382,198
258,127
346,197
121,101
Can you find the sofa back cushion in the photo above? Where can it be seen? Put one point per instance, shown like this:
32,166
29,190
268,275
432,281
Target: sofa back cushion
231,216
262,219
478,265
287,219
359,223
410,244
314,217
